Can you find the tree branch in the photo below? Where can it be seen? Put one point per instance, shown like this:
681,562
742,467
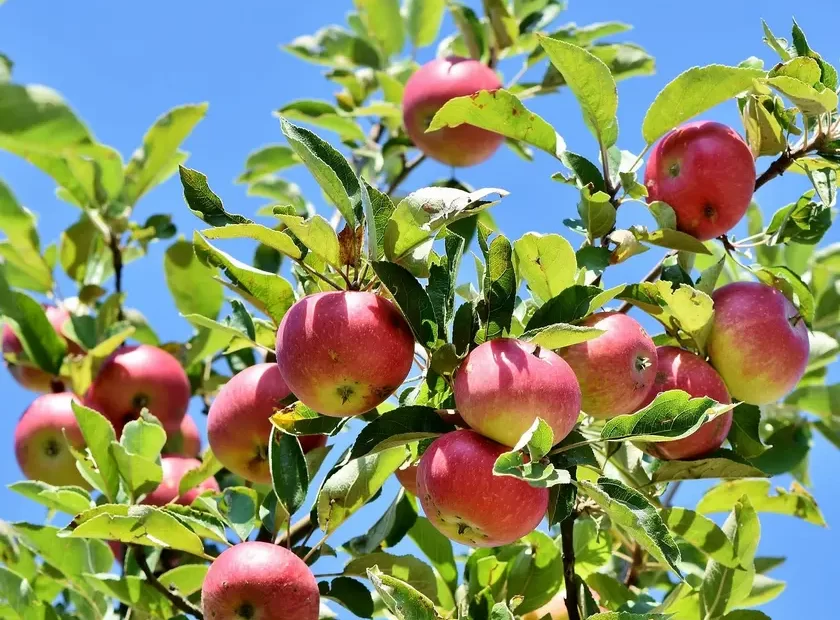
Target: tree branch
650,277
567,537
297,532
178,601
407,169
116,256
636,564
783,162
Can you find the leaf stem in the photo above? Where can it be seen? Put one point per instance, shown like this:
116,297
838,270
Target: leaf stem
311,271
572,446
178,601
406,170
567,533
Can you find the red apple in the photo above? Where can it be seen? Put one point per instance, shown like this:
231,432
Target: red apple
186,442
118,549
342,353
616,369
503,385
758,343
678,369
134,377
706,172
174,468
30,377
466,502
407,475
259,580
41,450
239,426
428,89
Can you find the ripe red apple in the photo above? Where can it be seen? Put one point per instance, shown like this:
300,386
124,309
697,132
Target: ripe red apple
706,172
140,376
342,353
428,89
30,377
259,580
174,468
503,385
466,502
186,442
238,424
41,450
678,369
616,369
758,343
407,475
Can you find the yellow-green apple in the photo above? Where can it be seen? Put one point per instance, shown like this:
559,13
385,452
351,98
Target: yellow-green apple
259,581
30,377
40,447
428,89
503,385
186,442
239,425
174,468
555,609
706,172
342,353
758,343
678,369
616,369
134,377
466,502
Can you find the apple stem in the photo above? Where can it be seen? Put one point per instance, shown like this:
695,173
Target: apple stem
178,601
567,532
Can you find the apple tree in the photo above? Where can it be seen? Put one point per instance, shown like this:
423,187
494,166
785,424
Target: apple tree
538,431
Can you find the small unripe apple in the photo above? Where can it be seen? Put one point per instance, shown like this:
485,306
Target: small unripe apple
616,369
257,580
174,468
428,89
503,385
239,425
30,377
342,353
134,377
758,343
678,369
464,500
40,448
706,172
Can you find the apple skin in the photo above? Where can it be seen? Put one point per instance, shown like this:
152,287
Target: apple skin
706,172
554,609
466,502
140,376
503,385
342,353
616,369
186,442
239,425
174,468
29,377
40,448
678,369
428,89
758,343
259,580
408,478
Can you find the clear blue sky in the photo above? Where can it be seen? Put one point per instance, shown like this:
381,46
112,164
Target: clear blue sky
122,64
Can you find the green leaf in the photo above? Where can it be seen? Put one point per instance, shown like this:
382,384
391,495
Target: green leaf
99,434
693,92
25,267
631,510
597,213
406,602
708,277
274,239
423,19
152,163
411,299
384,23
134,592
138,453
797,502
71,557
672,415
536,573
381,209
298,419
395,523
495,311
818,399
592,84
239,507
322,114
443,277
672,239
501,112
203,522
349,488
546,262
186,579
719,464
501,611
471,29
538,440
744,432
811,100
191,283
205,204
69,499
792,286
824,181
269,292
289,476
334,46
570,305
350,594
329,168
438,548
266,160
559,335
27,318
701,532
210,466
37,117
407,568
316,234
398,427
626,615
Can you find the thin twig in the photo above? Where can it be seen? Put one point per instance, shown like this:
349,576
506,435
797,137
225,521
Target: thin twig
635,567
567,533
311,271
297,532
116,256
407,169
178,601
668,497
652,275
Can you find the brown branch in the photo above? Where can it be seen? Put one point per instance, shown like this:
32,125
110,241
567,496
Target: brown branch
567,537
178,601
407,169
297,532
636,564
652,275
116,256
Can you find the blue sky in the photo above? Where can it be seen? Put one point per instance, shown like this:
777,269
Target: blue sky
122,64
